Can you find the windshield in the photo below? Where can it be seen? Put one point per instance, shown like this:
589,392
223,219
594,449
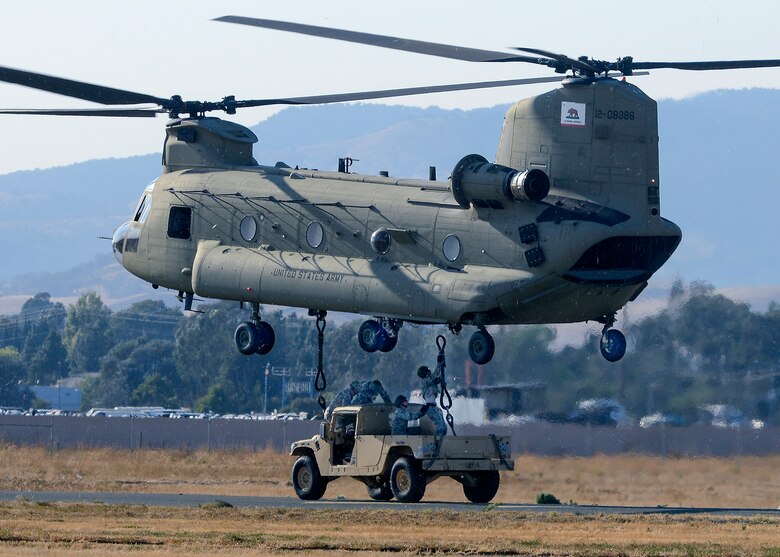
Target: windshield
145,205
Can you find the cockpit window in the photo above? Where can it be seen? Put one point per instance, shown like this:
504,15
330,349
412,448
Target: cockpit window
143,209
179,222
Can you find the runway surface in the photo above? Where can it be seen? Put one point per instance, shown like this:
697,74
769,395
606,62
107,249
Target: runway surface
194,500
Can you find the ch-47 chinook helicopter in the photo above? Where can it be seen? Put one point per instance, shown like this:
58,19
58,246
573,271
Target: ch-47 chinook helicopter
565,226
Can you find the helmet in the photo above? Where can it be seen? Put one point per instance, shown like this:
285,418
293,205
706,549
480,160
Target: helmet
423,371
399,400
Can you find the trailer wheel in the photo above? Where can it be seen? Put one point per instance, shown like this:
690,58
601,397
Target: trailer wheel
407,480
380,491
483,487
309,485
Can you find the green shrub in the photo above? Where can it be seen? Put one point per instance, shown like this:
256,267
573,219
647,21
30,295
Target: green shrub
547,499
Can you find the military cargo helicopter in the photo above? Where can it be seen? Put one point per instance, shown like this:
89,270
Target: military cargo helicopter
565,226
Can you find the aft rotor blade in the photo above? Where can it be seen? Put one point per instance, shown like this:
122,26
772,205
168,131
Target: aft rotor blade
111,112
76,89
366,95
711,65
395,43
578,64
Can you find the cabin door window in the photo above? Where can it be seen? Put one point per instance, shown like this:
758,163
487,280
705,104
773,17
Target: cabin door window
179,220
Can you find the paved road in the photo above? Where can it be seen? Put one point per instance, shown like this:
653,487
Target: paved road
193,500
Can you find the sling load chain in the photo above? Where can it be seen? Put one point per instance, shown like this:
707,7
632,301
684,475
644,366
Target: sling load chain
319,381
445,400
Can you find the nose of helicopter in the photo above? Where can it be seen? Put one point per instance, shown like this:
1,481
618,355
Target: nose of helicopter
118,241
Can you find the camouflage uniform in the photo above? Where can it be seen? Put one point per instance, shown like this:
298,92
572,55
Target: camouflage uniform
430,386
400,418
430,392
369,391
343,398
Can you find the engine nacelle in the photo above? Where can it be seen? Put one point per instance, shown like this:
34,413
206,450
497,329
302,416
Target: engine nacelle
475,181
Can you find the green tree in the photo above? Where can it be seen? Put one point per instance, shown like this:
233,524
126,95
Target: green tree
87,335
703,348
26,331
135,372
206,355
49,362
218,399
11,375
150,319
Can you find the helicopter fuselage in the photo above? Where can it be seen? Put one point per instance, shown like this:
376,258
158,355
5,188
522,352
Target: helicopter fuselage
302,245
487,247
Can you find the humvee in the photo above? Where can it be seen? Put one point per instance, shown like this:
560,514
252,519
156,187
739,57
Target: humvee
357,442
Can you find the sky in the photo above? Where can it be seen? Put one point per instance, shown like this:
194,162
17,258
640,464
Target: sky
173,47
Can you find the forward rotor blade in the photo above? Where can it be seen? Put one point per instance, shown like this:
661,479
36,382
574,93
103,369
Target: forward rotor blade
395,43
366,95
115,112
711,65
76,89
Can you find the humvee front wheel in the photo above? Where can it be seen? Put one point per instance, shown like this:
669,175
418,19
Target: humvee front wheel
309,485
482,487
407,481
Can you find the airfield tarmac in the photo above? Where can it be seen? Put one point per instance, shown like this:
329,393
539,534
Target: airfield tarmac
343,504
154,502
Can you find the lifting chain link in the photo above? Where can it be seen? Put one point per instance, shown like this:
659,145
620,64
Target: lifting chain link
445,400
319,381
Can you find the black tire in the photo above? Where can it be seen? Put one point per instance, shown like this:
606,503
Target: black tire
388,342
246,337
371,336
407,480
484,488
481,347
613,345
380,492
265,338
309,485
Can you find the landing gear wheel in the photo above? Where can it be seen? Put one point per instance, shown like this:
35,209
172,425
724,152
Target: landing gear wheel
483,487
481,347
407,480
613,345
247,338
389,342
371,336
309,485
266,338
380,491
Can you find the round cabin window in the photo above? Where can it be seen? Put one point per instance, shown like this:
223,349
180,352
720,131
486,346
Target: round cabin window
450,247
315,235
248,228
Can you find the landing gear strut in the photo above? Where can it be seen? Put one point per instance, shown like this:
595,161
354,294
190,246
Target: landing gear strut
255,336
379,335
613,342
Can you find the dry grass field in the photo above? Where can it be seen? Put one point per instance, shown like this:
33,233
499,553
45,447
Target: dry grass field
61,529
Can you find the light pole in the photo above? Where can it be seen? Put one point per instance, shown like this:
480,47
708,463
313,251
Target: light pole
265,395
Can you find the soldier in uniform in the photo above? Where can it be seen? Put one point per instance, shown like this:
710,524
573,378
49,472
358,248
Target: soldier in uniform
343,398
401,416
430,390
369,391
